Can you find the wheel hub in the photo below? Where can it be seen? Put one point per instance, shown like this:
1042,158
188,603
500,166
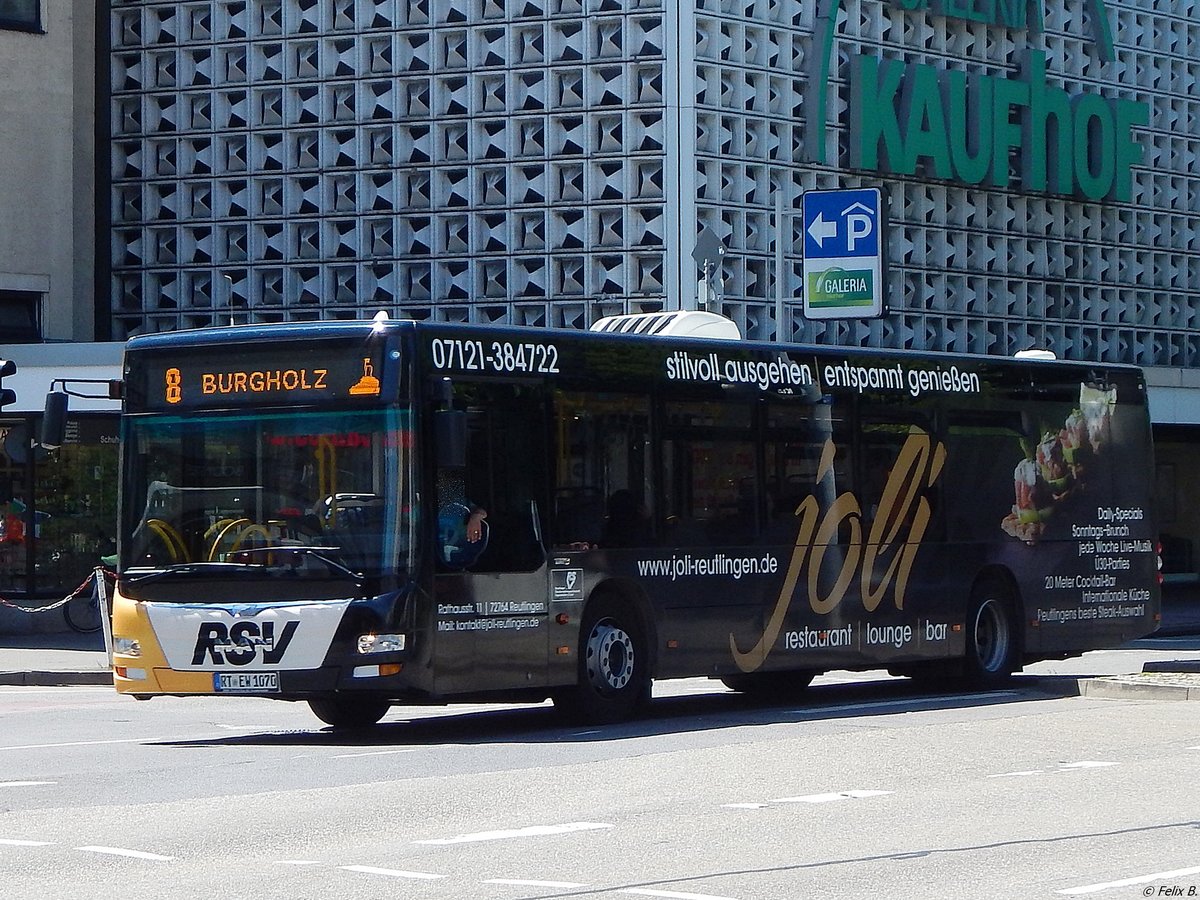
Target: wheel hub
609,657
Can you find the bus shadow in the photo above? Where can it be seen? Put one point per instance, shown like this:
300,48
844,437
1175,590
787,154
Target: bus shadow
695,712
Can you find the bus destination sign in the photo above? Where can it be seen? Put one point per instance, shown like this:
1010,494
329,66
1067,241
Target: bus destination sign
292,375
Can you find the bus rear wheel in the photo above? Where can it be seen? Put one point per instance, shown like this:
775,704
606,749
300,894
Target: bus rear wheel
992,642
349,712
614,667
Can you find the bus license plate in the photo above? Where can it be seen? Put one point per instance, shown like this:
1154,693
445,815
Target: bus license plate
246,682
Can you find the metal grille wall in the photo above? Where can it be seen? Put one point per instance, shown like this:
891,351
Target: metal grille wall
547,162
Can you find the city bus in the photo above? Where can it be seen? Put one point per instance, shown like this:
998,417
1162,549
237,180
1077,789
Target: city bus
364,514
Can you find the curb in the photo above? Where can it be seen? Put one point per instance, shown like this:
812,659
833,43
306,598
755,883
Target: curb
1191,666
55,679
1131,688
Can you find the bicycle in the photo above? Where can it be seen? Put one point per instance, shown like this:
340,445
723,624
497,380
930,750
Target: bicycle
82,609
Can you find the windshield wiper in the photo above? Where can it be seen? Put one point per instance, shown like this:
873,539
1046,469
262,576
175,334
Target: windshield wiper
358,578
183,569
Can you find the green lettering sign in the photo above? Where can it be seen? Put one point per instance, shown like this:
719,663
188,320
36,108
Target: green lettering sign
981,129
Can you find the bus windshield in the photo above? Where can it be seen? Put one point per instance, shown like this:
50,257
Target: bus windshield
320,494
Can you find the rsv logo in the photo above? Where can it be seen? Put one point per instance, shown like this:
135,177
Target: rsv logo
239,644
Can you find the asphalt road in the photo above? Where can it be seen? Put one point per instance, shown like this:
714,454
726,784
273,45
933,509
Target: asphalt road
869,789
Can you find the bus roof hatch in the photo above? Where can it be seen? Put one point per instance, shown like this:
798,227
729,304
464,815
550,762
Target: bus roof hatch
677,323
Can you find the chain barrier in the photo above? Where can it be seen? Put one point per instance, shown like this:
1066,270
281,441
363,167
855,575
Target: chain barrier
88,584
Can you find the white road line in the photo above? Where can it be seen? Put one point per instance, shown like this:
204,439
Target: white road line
299,862
4,784
121,851
1018,774
897,704
1126,882
523,882
374,753
84,743
677,895
531,831
745,806
829,798
13,842
1085,764
394,873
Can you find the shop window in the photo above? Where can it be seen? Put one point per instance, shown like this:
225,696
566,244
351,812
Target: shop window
21,15
20,314
51,538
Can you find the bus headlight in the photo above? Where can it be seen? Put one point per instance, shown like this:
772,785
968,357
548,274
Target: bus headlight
380,643
123,646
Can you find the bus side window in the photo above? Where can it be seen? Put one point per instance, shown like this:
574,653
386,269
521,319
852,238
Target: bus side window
711,474
505,471
602,452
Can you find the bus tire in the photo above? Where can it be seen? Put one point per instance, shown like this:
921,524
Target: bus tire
613,681
770,687
992,640
349,712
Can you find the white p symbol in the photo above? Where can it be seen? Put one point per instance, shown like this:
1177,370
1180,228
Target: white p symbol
858,226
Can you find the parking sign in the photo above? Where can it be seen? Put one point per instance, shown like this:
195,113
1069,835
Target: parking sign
843,254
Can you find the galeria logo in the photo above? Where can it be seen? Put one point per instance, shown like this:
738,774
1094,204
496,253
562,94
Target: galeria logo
909,118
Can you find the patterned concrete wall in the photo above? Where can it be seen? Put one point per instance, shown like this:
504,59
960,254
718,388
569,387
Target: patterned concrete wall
551,161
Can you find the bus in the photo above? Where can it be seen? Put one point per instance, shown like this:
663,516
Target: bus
363,514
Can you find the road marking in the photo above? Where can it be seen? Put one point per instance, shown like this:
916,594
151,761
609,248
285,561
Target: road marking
1126,882
13,842
299,862
374,753
1062,767
746,806
531,831
394,873
916,701
648,892
121,851
4,784
522,882
829,798
82,743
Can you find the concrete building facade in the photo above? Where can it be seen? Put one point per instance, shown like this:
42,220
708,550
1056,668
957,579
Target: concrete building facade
548,162
47,171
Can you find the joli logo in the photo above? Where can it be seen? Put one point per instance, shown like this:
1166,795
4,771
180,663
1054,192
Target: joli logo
882,563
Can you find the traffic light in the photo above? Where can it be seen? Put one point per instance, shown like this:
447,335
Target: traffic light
7,367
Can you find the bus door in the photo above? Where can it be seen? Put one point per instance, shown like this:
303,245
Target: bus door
491,587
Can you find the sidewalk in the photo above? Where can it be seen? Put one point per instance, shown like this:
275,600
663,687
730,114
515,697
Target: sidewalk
66,658
56,658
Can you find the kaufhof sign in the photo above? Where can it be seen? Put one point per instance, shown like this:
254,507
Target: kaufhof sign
912,118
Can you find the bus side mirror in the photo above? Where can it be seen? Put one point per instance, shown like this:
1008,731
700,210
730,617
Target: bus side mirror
54,420
450,433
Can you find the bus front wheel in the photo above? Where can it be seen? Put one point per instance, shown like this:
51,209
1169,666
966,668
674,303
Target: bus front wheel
349,712
992,641
614,674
